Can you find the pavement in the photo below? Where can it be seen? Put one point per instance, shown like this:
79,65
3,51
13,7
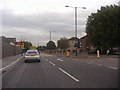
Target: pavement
84,55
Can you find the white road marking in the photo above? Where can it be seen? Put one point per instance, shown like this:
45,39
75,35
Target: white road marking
88,62
98,64
46,59
69,75
51,63
10,65
82,61
59,59
43,57
112,67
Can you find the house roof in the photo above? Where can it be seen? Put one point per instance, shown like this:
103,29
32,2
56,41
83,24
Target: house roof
84,37
74,38
8,40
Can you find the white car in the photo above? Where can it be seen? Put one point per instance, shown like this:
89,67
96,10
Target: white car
32,55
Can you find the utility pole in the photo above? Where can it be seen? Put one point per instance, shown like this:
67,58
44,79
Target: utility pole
51,34
75,22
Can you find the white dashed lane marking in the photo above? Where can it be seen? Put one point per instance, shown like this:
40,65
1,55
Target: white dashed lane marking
60,60
98,64
112,67
51,63
46,59
88,62
69,75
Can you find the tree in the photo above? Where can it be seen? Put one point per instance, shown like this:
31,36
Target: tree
62,43
51,45
103,27
41,48
27,45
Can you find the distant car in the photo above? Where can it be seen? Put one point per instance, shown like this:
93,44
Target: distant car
116,53
32,55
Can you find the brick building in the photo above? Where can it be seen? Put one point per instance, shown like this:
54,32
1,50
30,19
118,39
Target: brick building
72,41
85,45
7,49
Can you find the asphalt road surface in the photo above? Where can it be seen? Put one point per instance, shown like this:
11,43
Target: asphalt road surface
59,72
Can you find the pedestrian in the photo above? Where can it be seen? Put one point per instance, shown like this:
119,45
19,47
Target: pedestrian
39,51
108,51
22,52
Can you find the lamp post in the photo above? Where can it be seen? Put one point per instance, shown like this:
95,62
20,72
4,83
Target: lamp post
75,21
50,34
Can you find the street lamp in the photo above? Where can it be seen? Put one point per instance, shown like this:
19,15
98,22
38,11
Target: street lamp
50,34
75,17
75,20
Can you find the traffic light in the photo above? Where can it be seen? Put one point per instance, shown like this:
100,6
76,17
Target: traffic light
78,45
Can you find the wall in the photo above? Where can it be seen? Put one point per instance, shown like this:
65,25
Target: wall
9,50
0,48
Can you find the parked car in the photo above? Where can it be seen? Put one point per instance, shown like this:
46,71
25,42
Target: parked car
116,53
32,55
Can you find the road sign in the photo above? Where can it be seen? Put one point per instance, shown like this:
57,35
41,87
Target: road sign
19,44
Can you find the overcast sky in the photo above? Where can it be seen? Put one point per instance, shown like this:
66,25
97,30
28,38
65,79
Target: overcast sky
32,20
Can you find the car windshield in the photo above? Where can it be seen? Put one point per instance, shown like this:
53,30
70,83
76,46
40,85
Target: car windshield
32,52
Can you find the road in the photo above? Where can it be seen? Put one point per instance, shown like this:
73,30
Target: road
60,72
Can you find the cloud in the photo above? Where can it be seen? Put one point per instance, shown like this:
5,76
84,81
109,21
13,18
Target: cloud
33,19
36,27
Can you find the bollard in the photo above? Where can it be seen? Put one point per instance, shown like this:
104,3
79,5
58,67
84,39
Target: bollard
98,53
68,54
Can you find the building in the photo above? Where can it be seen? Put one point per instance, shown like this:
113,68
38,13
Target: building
7,49
72,41
85,45
8,40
